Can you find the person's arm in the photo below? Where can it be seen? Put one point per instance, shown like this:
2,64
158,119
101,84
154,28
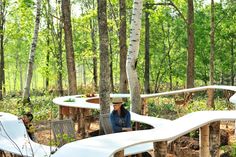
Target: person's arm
127,122
115,127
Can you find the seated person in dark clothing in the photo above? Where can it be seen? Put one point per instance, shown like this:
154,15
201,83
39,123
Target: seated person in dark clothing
120,117
27,118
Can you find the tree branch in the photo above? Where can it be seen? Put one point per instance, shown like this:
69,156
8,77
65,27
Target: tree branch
171,4
177,9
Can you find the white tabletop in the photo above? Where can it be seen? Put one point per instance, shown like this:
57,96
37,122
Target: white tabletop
107,145
82,102
164,130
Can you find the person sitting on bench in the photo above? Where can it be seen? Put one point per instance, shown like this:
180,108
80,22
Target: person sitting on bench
27,119
120,117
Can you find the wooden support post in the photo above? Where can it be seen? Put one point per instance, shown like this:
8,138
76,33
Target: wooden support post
160,149
144,107
2,154
137,126
78,119
60,113
214,139
63,111
82,123
204,141
119,154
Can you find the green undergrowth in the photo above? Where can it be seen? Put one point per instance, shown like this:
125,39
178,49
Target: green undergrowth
165,107
42,107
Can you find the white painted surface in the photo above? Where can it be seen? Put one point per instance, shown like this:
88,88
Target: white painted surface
14,138
107,145
81,102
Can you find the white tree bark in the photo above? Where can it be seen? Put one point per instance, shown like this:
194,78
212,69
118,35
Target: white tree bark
32,53
131,63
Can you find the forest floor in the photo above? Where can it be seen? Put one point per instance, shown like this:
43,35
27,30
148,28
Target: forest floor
44,133
186,146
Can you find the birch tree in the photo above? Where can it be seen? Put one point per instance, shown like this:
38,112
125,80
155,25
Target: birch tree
26,93
132,57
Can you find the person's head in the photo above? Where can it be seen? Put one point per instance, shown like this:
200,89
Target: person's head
27,117
117,103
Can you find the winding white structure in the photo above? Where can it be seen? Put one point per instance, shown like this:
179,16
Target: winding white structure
108,145
14,138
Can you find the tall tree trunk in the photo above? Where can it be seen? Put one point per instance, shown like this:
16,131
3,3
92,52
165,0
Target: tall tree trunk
84,75
56,34
17,63
2,73
47,62
48,43
59,63
21,77
123,47
232,62
169,59
94,49
111,63
131,64
190,30
59,54
147,58
104,84
66,14
26,93
210,101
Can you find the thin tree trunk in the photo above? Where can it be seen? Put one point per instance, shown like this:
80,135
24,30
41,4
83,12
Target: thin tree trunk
59,56
169,59
210,100
17,65
104,84
111,64
26,93
84,75
94,49
190,30
47,64
57,41
48,45
131,64
147,53
66,13
2,73
232,62
21,78
123,47
59,61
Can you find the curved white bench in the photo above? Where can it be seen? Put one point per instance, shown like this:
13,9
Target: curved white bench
14,138
107,145
83,102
